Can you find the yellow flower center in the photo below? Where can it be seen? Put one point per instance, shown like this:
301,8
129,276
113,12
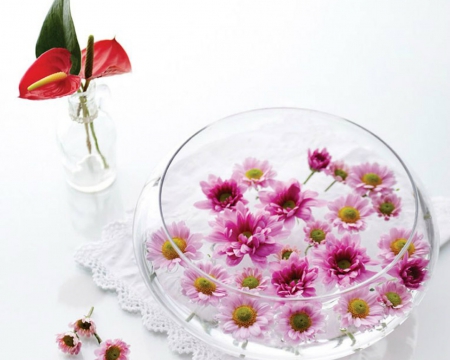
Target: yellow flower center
341,173
349,214
251,282
244,316
47,80
394,298
300,321
317,235
286,254
398,244
371,179
254,174
169,252
204,286
224,197
113,353
387,208
358,308
289,204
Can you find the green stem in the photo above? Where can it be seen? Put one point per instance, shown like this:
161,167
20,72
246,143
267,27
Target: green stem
88,138
98,338
189,318
306,250
330,186
309,177
90,312
105,164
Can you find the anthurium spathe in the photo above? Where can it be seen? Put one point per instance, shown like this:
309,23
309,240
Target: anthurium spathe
49,77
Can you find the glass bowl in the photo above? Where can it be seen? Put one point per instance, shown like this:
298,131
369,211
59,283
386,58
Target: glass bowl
285,234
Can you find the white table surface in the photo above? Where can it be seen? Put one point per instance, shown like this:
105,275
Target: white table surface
384,64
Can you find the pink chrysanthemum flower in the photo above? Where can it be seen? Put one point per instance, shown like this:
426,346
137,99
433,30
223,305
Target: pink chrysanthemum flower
112,349
84,327
338,170
395,297
412,272
161,252
391,244
254,173
69,343
244,317
239,233
301,322
318,159
251,279
387,206
360,308
288,202
294,277
349,213
316,232
202,290
221,194
286,251
342,262
371,178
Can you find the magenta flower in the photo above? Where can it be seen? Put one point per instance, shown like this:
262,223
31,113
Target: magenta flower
371,178
301,322
294,277
342,262
359,308
84,327
387,206
288,202
239,233
348,213
318,159
412,272
69,343
316,232
112,349
244,317
161,252
338,170
391,244
395,297
251,279
254,173
202,290
221,194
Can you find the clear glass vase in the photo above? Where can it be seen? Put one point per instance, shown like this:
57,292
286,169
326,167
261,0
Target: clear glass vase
87,140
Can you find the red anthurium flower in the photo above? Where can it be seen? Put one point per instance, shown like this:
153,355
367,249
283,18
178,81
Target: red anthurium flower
109,59
49,77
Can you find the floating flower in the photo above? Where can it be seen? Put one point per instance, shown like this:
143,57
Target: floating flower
254,173
387,206
338,170
288,202
371,178
244,317
201,289
316,232
318,160
301,322
84,327
294,278
69,343
239,233
359,308
412,272
342,262
349,213
221,194
161,252
112,350
251,279
395,297
391,244
286,251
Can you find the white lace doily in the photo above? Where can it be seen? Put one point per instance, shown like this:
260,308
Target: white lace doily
114,268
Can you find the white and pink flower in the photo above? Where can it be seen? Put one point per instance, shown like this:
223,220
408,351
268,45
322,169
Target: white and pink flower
395,297
69,343
84,327
371,178
251,279
316,232
254,173
112,349
338,170
387,206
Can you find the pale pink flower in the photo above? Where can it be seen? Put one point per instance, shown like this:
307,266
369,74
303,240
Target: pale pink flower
69,343
301,322
395,297
318,159
371,178
412,272
221,194
338,170
387,206
391,244
316,232
251,279
112,349
84,327
286,251
342,262
254,173
349,213
288,202
360,308
161,252
294,277
239,233
244,317
201,289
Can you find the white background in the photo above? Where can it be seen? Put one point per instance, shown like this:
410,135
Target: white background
384,64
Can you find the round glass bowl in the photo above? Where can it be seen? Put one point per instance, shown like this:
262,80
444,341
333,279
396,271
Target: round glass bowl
285,234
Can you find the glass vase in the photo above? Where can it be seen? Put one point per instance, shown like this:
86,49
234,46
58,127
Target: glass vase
87,141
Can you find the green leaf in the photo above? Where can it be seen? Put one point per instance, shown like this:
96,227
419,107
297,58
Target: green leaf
58,31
